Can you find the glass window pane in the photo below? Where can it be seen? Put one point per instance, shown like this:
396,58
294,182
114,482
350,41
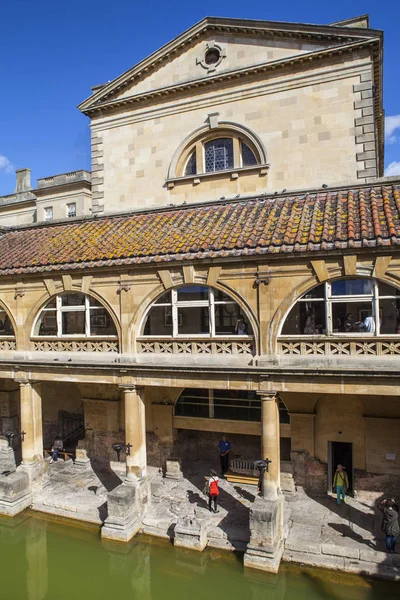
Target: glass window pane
220,296
101,323
317,292
352,287
159,321
192,292
191,167
352,317
94,302
193,320
248,156
306,318
51,303
73,300
73,323
164,299
218,154
47,324
230,321
237,405
193,403
387,290
389,316
6,327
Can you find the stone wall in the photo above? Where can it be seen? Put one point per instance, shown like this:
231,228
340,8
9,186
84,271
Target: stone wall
309,133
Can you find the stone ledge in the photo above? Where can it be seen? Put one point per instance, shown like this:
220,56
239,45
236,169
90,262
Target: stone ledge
342,551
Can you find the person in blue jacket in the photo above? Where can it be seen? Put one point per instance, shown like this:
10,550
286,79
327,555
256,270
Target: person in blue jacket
224,447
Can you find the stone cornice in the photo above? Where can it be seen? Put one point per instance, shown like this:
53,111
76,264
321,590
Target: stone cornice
217,25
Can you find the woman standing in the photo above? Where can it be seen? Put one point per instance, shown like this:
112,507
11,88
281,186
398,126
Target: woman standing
213,491
390,523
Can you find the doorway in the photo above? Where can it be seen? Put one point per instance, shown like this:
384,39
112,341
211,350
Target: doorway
340,453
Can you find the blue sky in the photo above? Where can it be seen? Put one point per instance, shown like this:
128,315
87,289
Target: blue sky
52,52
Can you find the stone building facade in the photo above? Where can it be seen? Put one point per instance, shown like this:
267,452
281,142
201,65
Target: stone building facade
203,297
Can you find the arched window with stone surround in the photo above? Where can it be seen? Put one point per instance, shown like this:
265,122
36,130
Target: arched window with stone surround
347,307
196,311
6,327
74,315
215,149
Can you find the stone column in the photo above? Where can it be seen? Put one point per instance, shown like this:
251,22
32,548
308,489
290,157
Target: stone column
265,548
135,433
270,443
28,428
128,502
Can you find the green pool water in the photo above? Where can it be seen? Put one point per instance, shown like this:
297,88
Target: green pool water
44,559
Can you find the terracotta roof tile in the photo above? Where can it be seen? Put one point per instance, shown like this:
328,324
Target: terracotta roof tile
358,217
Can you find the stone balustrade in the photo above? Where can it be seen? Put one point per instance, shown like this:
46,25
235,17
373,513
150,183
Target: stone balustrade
197,345
335,346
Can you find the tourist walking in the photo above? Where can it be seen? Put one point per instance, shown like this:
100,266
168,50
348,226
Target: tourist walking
341,483
213,491
390,523
224,447
57,447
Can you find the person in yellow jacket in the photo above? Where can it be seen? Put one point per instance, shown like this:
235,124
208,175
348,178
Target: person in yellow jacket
341,482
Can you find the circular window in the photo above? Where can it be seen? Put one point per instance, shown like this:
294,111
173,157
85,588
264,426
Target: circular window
212,56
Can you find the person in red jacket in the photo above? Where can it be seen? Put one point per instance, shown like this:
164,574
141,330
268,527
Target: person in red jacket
213,491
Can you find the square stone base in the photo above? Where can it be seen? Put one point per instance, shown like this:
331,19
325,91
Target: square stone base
256,558
15,493
126,506
265,548
190,533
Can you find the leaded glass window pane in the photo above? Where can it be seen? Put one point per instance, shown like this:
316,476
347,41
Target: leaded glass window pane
248,157
219,155
191,166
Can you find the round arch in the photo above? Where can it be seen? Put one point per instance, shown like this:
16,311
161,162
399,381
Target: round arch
36,310
5,308
308,285
224,128
137,324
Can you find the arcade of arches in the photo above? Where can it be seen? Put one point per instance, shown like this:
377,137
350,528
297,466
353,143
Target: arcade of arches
247,342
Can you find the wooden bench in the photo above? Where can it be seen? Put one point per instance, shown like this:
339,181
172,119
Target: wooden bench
65,455
243,472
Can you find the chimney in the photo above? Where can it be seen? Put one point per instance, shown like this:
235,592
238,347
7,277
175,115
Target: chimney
23,180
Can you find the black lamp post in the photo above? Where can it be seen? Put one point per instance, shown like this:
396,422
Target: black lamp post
119,447
262,467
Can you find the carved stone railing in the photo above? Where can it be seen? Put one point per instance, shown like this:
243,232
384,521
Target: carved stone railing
345,346
87,345
7,344
220,345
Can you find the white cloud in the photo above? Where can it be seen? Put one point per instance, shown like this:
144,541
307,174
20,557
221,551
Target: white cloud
393,169
6,165
392,124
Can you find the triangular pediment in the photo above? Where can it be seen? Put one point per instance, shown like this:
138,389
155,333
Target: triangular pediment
217,46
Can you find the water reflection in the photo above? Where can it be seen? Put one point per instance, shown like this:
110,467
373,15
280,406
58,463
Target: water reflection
45,560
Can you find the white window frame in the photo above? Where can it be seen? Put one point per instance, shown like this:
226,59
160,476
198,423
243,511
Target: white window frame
331,299
175,304
69,206
59,309
46,217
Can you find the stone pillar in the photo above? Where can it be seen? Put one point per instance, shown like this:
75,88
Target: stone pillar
270,444
135,433
127,503
265,548
33,463
31,421
27,423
